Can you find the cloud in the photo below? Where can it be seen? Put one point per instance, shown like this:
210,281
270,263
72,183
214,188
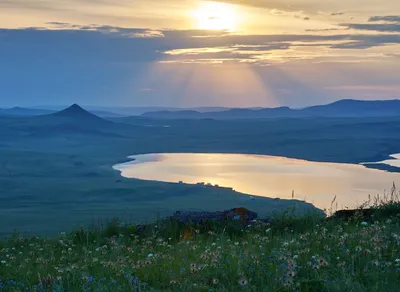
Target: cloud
393,55
315,7
59,5
389,18
387,27
111,65
66,43
393,90
325,29
337,13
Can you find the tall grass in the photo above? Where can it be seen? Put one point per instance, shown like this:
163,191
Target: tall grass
292,253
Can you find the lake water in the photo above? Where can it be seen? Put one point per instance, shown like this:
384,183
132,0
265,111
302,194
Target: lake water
269,176
395,161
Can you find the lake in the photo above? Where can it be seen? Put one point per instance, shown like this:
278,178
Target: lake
395,161
268,176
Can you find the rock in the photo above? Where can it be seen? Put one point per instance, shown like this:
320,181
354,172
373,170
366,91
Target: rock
365,214
200,217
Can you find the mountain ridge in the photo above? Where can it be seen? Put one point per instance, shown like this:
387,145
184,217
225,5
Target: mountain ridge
341,108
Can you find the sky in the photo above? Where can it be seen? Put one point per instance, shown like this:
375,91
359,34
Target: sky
192,53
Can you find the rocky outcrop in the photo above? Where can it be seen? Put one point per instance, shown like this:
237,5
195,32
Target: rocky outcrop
365,214
200,217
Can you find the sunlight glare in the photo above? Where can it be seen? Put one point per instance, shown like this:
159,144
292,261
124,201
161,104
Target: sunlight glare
212,15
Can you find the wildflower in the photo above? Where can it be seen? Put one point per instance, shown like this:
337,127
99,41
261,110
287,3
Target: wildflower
288,282
204,257
364,223
193,268
322,262
367,251
150,255
173,282
358,248
375,263
243,282
291,263
316,267
215,281
3,262
291,274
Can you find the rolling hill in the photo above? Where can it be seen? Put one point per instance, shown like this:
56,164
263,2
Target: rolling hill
343,108
27,112
72,122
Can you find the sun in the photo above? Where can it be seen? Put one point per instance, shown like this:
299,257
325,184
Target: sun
212,15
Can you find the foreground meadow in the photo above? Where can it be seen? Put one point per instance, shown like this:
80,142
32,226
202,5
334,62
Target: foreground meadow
303,254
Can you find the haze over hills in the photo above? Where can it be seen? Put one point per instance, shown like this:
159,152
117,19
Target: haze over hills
37,111
115,111
342,108
20,111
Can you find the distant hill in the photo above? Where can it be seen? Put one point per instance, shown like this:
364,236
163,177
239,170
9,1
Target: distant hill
26,112
126,111
357,108
342,108
105,114
75,119
137,111
71,122
76,112
20,111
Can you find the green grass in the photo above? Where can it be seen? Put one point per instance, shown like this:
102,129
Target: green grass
301,254
78,186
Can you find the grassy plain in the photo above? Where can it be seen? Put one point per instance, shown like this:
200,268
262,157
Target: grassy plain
55,172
